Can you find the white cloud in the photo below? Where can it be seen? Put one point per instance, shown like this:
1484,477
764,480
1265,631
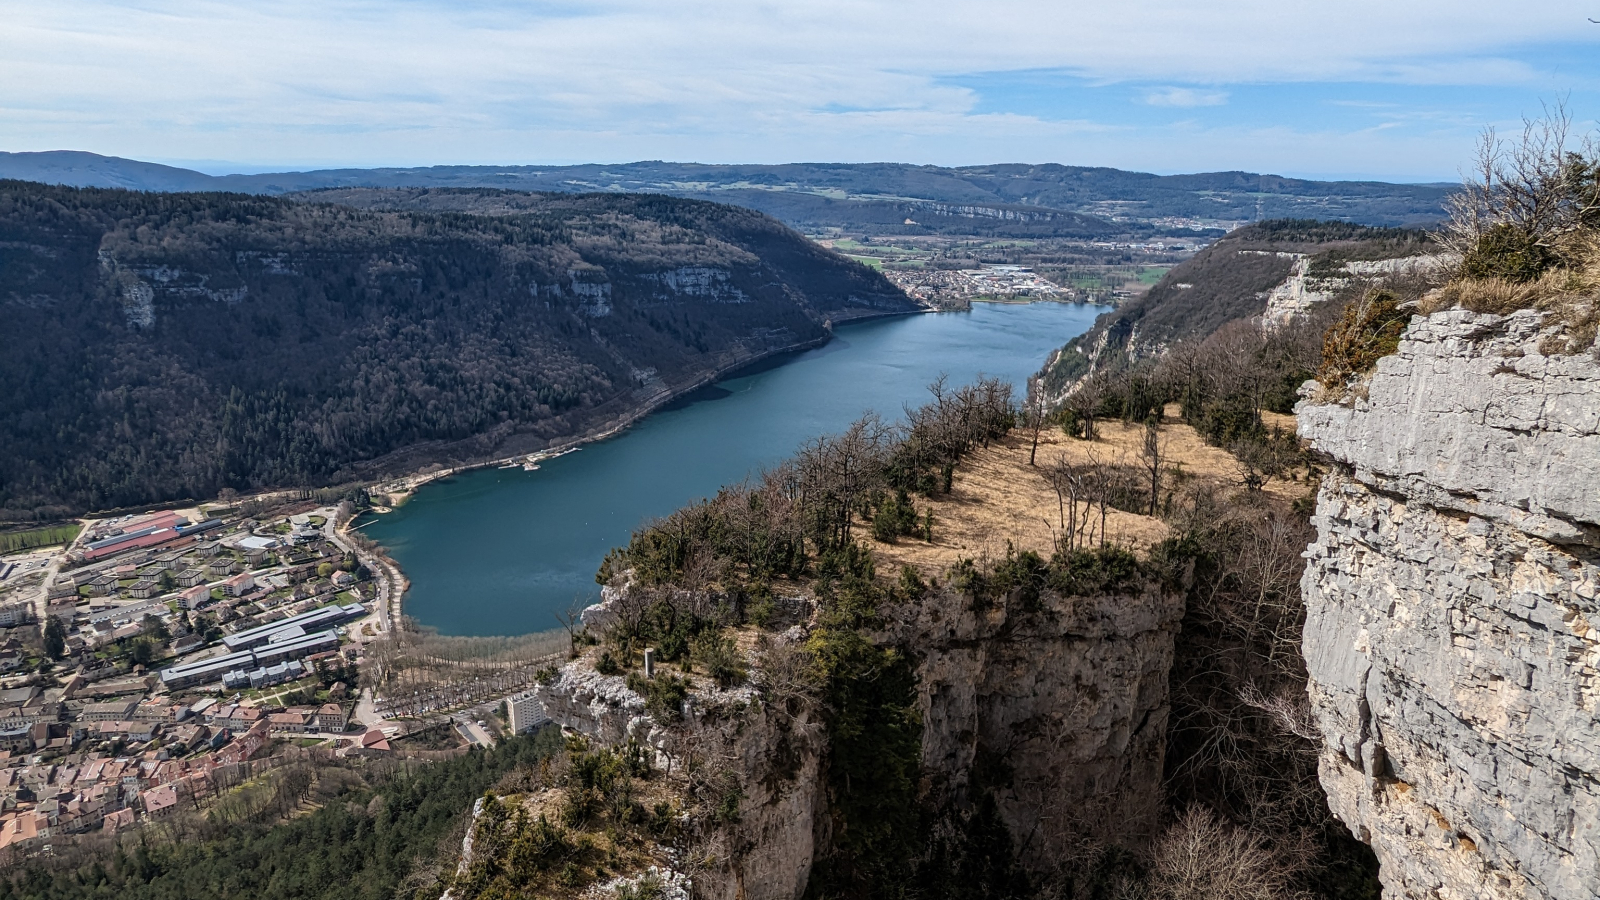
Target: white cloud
416,81
1186,97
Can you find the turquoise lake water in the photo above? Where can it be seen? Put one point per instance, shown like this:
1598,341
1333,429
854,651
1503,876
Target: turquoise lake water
501,551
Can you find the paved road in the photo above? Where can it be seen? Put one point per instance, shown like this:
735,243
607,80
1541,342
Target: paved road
387,575
474,732
366,713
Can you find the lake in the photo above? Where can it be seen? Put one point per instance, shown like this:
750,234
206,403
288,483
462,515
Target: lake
501,551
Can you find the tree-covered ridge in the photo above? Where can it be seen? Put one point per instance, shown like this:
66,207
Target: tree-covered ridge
174,345
1012,199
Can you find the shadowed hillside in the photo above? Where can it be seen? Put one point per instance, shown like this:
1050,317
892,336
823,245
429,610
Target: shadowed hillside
173,345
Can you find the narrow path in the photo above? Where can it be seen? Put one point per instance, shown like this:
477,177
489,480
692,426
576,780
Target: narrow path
41,603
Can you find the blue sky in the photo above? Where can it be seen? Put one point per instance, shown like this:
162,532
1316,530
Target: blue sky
1355,89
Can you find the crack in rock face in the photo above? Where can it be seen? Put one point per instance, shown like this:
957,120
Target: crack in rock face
1451,598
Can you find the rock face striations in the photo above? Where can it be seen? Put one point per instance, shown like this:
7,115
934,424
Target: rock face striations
1453,612
1052,707
1066,698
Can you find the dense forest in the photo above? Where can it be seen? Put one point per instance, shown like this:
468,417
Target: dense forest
378,832
1007,200
165,346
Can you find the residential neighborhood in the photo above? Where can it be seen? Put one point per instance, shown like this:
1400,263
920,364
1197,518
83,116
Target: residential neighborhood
150,662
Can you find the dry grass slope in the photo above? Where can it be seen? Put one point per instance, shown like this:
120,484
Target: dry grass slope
998,499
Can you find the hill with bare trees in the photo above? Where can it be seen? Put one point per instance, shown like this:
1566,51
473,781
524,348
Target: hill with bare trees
164,346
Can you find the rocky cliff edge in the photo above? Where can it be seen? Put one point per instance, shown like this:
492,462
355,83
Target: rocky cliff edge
1452,598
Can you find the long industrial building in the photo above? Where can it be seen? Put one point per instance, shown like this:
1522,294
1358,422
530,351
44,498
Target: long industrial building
264,645
150,532
207,670
317,619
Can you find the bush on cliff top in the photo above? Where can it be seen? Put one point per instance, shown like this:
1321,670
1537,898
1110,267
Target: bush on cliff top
1568,295
1527,228
1368,331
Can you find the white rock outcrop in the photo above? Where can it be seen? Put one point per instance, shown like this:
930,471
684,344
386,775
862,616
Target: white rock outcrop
1453,612
1298,293
774,757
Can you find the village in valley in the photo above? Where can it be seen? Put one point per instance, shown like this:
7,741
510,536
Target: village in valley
951,273
158,658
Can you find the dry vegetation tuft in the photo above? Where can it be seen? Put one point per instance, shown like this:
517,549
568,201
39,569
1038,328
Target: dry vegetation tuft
1368,331
1527,228
1569,295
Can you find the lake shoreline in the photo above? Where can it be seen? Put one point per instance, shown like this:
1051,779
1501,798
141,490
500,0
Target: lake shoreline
616,427
603,432
491,552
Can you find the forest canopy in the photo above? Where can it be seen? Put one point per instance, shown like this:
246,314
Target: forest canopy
165,346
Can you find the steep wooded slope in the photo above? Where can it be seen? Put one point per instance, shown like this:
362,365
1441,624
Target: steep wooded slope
171,345
1225,282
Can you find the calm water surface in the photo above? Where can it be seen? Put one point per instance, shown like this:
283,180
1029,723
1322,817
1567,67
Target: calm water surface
501,551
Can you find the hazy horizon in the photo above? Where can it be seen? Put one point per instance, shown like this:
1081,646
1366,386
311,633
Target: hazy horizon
1350,91
223,167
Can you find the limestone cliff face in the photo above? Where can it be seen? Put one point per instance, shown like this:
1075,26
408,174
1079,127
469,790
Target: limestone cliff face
1453,612
774,758
1058,708
1068,699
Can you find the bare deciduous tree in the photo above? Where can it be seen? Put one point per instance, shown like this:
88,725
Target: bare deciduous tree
1035,412
1202,856
1154,454
1544,186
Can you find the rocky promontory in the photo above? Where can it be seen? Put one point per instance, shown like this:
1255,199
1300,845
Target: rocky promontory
1452,595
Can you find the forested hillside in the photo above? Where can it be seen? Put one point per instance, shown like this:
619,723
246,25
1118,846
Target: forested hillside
174,345
1228,281
378,831
1007,200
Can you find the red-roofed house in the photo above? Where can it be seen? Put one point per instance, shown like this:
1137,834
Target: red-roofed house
373,739
288,722
160,801
118,821
24,830
332,717
195,597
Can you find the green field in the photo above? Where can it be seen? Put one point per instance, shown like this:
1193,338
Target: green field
14,541
1152,274
1086,280
851,247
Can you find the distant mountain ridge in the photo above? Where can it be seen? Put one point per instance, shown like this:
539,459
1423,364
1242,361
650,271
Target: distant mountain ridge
1016,200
